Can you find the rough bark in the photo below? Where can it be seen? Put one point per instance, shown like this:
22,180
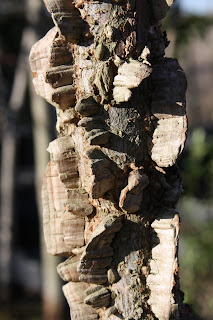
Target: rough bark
111,186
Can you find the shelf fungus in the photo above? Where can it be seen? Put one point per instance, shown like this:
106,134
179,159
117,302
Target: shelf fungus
53,198
99,178
97,296
87,107
168,107
63,229
63,153
65,119
93,121
78,202
51,63
132,195
75,295
97,255
67,18
73,230
60,76
68,269
130,75
164,264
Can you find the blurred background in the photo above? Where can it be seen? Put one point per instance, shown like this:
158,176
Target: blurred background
27,125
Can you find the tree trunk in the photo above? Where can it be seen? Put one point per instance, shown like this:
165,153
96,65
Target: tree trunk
110,189
8,165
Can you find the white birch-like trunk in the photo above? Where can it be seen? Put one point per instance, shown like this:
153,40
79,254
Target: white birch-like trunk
110,189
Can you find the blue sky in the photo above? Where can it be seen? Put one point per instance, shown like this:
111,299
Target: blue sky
197,6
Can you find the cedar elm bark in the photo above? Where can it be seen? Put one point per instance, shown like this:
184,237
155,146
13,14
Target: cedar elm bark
111,186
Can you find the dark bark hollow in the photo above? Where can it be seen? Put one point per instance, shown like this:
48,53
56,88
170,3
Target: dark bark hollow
111,186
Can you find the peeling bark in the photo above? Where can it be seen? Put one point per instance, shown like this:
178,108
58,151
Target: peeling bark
111,186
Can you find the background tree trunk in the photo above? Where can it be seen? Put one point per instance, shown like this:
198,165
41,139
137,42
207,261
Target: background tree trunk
52,298
111,186
52,303
9,140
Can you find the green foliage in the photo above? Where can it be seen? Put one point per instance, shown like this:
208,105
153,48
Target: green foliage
196,207
186,27
197,267
198,165
196,260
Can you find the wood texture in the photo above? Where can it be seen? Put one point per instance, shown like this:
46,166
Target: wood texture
168,106
112,184
164,265
75,295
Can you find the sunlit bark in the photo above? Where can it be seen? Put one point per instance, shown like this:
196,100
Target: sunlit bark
110,189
